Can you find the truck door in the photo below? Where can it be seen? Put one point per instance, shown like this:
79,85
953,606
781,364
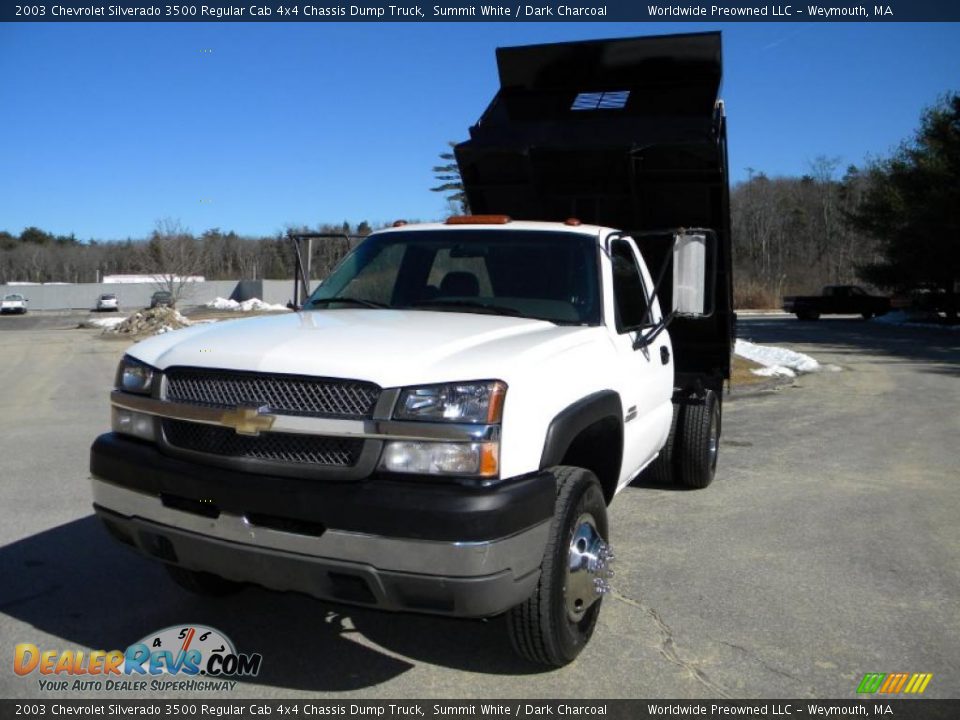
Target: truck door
645,370
856,301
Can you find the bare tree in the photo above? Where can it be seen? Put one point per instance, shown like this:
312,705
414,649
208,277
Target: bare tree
172,255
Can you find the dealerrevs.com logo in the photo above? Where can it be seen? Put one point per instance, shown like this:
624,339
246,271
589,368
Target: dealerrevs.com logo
180,657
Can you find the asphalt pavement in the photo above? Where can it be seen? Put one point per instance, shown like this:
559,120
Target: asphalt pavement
827,547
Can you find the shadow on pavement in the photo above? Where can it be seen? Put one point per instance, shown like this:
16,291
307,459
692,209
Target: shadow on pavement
77,584
935,347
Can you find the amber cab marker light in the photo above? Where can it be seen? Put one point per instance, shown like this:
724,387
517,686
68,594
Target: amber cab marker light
399,223
478,220
572,221
495,410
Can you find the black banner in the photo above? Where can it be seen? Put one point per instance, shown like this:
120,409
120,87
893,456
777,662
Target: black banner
717,11
472,709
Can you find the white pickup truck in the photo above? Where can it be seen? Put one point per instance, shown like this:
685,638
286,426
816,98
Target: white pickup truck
439,429
441,424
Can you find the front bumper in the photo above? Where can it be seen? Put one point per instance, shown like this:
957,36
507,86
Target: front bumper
424,546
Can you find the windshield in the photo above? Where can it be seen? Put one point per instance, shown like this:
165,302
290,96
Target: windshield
549,276
14,297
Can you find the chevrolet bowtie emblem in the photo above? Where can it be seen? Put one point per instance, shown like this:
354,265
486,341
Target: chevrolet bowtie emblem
248,420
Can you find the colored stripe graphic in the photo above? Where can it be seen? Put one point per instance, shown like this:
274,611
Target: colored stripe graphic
871,683
919,682
893,683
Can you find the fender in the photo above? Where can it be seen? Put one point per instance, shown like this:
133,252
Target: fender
574,419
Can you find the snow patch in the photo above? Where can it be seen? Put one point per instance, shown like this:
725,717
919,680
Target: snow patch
776,361
774,371
102,323
251,305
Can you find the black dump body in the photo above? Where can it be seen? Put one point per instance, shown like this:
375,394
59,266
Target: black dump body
624,133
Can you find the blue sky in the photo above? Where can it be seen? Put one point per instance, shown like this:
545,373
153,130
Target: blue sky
108,128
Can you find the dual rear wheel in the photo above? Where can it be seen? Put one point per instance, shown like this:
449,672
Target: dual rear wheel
689,457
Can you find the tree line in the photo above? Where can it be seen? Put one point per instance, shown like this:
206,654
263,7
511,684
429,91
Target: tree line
894,225
793,235
169,250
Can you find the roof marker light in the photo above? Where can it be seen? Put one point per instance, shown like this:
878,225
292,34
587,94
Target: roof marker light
399,223
478,220
572,221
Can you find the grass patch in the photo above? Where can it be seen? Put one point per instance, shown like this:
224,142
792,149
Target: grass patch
740,374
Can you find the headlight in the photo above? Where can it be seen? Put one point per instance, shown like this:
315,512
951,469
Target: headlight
134,376
442,458
466,402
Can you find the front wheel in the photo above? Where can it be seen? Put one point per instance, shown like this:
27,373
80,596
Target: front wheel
557,621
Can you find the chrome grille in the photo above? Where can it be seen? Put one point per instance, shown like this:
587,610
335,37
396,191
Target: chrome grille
284,394
271,447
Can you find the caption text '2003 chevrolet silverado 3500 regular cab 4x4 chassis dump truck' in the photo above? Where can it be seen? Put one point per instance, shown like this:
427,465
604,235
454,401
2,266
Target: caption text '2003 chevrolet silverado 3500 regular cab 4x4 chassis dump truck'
442,424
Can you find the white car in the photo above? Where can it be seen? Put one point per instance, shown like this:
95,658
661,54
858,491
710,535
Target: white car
13,304
107,302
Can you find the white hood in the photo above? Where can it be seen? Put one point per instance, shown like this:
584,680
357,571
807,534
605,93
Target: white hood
388,347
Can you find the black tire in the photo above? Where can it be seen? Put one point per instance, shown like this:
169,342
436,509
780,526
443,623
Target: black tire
540,629
663,470
698,441
203,583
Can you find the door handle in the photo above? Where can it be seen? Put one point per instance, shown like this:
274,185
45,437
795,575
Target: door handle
664,354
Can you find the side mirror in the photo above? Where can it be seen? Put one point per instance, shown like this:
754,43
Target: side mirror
691,283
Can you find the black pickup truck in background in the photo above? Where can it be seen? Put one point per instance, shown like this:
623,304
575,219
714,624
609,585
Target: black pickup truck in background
837,300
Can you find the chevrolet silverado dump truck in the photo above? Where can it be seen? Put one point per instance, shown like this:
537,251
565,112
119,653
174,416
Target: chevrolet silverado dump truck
440,426
837,300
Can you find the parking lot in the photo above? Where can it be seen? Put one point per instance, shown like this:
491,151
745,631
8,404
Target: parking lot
827,547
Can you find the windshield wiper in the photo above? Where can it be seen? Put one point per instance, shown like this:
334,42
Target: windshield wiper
356,301
469,304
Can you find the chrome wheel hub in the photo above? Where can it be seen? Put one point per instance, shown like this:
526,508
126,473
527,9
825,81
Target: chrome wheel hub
588,568
713,447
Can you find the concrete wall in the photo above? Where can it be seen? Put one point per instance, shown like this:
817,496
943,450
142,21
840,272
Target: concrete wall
83,296
277,291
